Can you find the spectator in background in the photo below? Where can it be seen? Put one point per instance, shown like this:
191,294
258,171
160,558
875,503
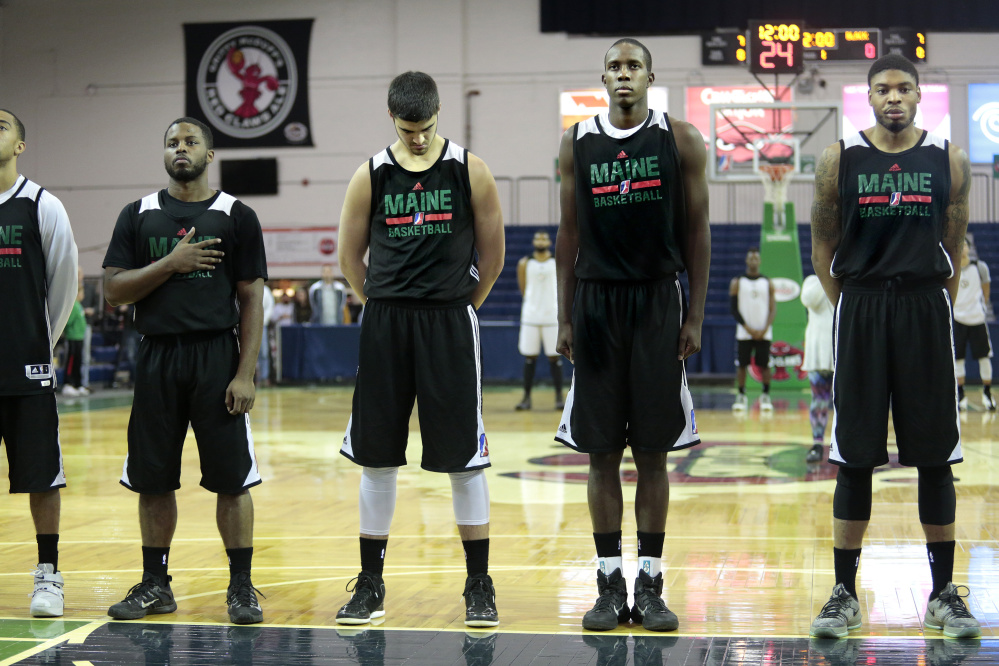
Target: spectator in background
93,305
303,309
327,296
284,310
818,361
263,377
76,331
128,342
970,315
354,310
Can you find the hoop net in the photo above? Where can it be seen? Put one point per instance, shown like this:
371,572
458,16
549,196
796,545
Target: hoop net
776,178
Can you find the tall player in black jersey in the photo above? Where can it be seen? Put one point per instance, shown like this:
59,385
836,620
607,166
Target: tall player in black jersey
634,203
888,222
191,259
38,283
428,212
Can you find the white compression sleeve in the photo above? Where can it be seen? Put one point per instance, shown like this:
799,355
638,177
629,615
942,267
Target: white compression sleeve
470,497
985,369
959,367
377,499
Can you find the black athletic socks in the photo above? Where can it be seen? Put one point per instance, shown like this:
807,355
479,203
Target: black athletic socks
987,390
846,562
766,388
608,544
373,555
650,544
555,367
154,560
476,556
960,393
530,364
48,549
240,559
941,555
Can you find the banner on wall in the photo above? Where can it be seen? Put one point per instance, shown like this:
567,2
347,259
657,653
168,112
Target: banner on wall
302,246
733,130
249,81
983,122
932,114
578,105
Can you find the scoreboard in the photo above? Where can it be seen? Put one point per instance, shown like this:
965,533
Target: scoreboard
786,47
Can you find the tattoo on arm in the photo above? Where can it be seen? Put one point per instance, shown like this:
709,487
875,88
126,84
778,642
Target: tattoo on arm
956,215
826,208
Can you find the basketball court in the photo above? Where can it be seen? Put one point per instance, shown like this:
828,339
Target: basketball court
748,558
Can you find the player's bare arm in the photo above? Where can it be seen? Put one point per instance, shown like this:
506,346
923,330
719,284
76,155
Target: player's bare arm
773,307
522,275
490,242
355,230
956,215
566,246
827,222
240,393
126,286
697,233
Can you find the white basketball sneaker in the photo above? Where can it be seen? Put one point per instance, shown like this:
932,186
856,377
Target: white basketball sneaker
47,599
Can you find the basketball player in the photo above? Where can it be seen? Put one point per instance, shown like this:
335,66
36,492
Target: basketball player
634,201
539,316
191,259
425,208
888,221
818,362
37,291
970,312
754,307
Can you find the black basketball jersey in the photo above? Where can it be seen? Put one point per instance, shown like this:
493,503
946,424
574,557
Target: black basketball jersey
629,200
422,243
893,208
148,229
26,356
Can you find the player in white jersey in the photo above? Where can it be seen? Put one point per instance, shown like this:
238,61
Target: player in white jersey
970,312
539,316
818,361
754,307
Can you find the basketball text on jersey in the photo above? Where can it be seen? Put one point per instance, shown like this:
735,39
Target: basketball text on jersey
10,242
897,194
627,181
161,246
415,210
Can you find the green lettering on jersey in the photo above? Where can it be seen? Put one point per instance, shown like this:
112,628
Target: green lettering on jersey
412,203
924,183
393,204
158,247
11,234
617,173
867,183
599,173
910,182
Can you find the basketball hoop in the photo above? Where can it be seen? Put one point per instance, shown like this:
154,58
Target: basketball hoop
776,178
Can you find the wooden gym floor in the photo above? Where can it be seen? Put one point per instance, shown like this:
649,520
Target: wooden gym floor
748,556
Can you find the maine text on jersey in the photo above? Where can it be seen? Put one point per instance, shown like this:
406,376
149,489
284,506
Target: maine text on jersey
414,210
889,194
10,245
161,246
625,181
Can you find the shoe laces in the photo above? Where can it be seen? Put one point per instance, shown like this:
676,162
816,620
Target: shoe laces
835,607
243,591
477,592
954,601
142,588
650,594
363,587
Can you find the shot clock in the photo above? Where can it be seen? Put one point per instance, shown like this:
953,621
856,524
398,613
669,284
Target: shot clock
775,48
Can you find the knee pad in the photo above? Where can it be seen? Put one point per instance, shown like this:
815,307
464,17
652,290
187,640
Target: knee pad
985,369
852,499
470,497
959,367
937,497
377,499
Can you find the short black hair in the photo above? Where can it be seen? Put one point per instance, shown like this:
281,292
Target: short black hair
413,97
206,131
634,42
18,125
892,61
753,249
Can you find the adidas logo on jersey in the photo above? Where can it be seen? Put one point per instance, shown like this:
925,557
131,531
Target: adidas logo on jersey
622,155
895,167
563,429
182,232
417,187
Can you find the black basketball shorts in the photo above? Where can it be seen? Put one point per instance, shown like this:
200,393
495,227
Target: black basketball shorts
412,351
894,351
977,336
181,381
752,349
628,386
29,426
